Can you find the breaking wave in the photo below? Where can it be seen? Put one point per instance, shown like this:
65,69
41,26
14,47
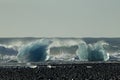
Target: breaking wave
92,52
65,49
34,52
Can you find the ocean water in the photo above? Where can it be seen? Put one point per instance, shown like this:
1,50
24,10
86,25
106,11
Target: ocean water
25,50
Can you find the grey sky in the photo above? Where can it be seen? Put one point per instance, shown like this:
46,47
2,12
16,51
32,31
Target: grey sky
60,18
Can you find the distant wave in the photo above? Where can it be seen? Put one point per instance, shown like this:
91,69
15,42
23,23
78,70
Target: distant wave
5,50
7,53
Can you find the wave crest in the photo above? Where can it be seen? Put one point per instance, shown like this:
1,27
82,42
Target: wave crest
92,52
34,52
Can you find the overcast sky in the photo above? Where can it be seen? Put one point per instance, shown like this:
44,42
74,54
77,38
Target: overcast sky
59,18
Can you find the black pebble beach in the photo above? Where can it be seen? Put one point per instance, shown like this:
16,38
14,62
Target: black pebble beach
81,71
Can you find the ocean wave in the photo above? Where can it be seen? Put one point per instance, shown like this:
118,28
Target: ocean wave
92,52
56,49
5,50
34,52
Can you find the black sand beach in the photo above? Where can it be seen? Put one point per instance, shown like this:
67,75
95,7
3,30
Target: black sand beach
80,71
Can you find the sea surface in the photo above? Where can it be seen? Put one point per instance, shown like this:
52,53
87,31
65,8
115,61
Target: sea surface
58,50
